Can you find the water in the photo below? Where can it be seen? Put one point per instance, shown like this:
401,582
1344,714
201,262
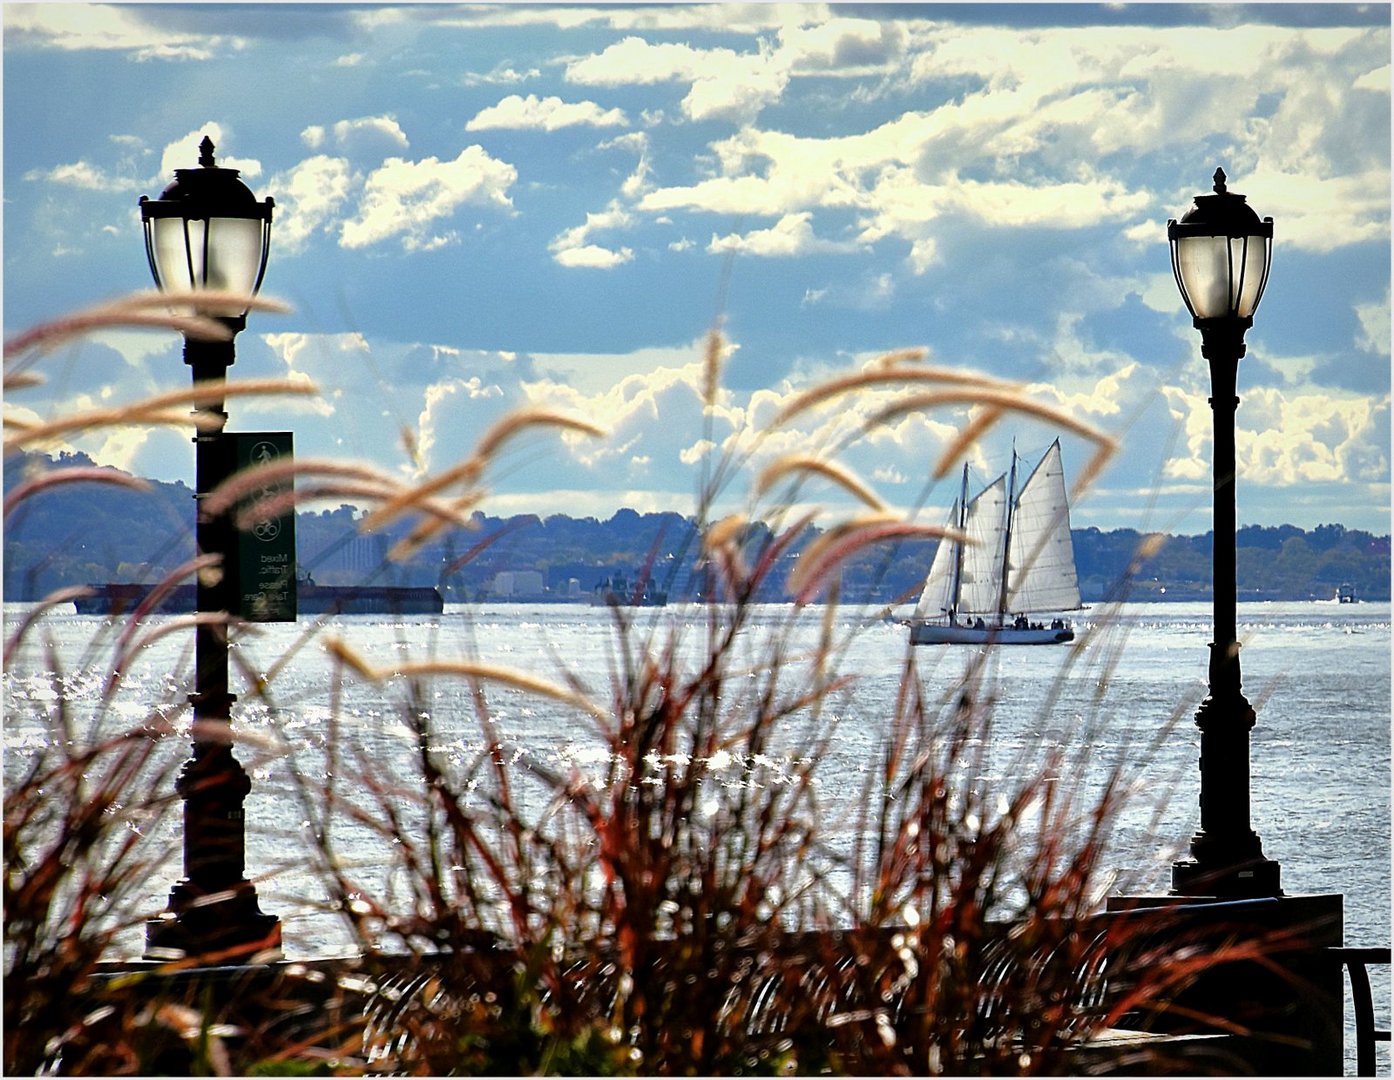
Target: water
1318,675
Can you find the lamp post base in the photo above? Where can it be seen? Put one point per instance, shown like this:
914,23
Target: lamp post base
1261,978
1240,879
225,927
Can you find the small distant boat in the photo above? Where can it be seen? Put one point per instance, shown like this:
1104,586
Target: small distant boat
119,597
1345,594
1018,564
618,591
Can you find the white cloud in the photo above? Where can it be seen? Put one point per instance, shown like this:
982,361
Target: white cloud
1009,153
842,47
597,373
1376,80
406,198
777,174
327,360
638,181
915,146
726,84
723,83
366,135
593,257
500,76
370,134
736,87
80,174
635,61
1063,97
791,236
439,403
108,27
1159,292
545,114
1374,326
1322,213
183,153
574,248
309,199
1284,440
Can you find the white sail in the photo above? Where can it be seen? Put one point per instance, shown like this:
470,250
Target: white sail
980,582
1041,572
1019,562
938,594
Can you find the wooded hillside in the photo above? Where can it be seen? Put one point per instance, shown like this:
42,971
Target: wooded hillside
85,533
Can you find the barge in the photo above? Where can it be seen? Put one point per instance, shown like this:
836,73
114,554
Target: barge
117,598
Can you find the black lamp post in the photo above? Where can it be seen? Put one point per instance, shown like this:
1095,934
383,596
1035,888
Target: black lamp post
206,231
1221,252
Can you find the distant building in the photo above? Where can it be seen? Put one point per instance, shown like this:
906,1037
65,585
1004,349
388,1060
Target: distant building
516,584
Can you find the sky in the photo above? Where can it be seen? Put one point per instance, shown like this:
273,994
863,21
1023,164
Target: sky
484,207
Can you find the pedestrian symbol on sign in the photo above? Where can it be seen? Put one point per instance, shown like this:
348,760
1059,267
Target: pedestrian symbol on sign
265,453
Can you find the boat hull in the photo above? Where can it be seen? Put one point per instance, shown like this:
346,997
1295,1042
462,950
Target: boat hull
938,633
116,598
613,599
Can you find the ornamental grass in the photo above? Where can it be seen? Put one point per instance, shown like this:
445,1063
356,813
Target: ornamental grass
676,903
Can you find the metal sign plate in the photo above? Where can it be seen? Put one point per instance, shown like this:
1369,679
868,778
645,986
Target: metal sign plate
266,589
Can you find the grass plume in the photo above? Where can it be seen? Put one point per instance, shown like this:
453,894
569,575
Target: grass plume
678,902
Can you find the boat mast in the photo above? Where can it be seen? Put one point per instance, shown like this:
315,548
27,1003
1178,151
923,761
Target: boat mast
1007,544
961,524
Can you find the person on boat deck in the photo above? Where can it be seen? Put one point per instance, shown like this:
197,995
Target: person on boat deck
1020,622
978,624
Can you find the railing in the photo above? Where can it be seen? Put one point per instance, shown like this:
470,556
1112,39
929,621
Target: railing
385,998
1362,1001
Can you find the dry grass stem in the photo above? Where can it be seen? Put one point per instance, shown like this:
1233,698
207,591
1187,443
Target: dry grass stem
439,518
134,311
1004,398
486,673
978,425
885,376
22,380
1012,401
273,474
672,869
827,553
900,356
519,420
808,463
342,652
711,367
131,648
78,475
469,471
154,411
43,607
724,532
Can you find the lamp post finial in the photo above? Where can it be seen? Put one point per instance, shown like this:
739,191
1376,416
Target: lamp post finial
1219,179
205,153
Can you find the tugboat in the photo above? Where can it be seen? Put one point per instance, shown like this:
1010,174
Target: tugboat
619,591
1345,593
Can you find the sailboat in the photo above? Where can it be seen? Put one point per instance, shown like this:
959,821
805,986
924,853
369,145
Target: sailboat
1018,563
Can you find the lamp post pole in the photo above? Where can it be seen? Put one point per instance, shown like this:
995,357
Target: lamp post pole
1287,1003
206,231
1221,253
